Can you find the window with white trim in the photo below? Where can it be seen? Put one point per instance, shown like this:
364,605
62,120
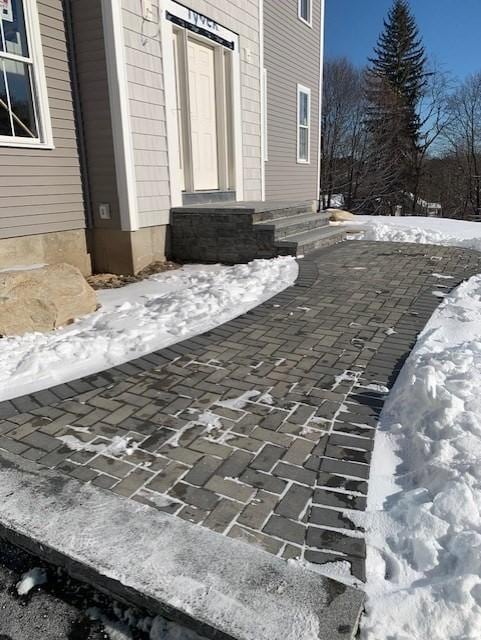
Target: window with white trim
23,102
303,124
304,11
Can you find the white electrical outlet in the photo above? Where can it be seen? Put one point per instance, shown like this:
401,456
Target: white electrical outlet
104,211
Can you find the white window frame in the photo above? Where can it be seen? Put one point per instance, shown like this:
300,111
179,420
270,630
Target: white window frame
299,12
303,90
38,82
265,147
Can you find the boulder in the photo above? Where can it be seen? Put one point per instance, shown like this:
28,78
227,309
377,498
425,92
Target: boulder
43,299
338,215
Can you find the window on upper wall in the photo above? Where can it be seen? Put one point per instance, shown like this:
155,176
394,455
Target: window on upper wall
305,11
303,124
24,117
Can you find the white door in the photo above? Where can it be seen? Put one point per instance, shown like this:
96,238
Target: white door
203,115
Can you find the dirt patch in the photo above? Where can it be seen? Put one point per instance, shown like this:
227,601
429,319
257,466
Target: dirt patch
114,281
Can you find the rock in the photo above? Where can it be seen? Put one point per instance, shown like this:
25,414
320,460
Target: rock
338,215
43,299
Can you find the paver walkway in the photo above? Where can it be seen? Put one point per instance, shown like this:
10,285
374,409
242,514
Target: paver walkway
263,428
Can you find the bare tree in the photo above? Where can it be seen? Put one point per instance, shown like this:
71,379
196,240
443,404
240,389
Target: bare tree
463,135
434,117
342,132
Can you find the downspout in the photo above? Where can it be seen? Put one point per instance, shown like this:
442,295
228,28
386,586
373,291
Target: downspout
79,125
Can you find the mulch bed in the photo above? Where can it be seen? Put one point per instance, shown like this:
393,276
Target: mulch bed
114,281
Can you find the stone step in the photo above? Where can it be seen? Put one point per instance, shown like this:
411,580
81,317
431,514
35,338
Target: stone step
237,232
282,211
290,225
300,244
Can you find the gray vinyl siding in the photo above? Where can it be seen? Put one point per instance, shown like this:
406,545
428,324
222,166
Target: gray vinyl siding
41,190
291,57
95,108
143,57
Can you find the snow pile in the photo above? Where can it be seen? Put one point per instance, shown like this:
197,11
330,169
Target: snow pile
424,505
120,624
33,578
442,231
138,319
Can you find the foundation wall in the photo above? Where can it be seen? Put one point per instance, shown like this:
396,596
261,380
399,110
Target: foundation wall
46,248
127,252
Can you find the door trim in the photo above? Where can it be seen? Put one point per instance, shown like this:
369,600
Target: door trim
167,30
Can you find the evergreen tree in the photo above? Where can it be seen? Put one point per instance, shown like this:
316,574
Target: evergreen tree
396,80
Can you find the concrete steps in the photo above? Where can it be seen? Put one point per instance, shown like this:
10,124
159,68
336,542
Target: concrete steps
301,244
290,225
242,231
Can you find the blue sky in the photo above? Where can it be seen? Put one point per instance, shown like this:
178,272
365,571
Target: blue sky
451,30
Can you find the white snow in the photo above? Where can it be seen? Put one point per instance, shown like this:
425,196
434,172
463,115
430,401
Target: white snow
240,402
120,624
138,319
423,522
423,230
33,578
117,447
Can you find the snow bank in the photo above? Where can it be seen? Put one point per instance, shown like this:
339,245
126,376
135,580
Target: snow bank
442,231
138,319
424,506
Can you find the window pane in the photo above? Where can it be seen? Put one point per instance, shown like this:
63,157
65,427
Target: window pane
5,126
18,80
305,10
303,109
13,21
303,144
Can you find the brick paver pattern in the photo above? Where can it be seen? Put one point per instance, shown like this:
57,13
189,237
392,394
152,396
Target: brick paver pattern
263,428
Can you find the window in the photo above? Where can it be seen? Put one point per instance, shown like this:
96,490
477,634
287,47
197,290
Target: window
303,124
305,11
23,104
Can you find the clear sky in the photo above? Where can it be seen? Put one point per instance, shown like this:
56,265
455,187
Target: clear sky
451,30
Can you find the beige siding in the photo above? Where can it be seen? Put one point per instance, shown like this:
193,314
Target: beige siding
291,57
41,189
95,108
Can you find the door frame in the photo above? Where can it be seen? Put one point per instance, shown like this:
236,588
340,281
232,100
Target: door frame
226,171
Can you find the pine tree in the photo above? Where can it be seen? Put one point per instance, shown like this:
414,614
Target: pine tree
396,80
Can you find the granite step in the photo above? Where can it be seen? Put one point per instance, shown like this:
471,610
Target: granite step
300,244
290,225
238,232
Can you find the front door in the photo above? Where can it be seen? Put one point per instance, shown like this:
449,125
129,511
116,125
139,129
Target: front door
203,116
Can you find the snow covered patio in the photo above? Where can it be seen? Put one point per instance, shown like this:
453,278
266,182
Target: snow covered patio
260,430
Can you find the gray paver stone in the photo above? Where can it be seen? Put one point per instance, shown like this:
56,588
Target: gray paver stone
285,529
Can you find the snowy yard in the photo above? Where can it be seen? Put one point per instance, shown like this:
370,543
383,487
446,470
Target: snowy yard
423,522
442,231
138,319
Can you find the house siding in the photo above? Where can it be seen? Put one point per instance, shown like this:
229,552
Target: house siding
41,190
147,100
90,60
291,57
143,57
